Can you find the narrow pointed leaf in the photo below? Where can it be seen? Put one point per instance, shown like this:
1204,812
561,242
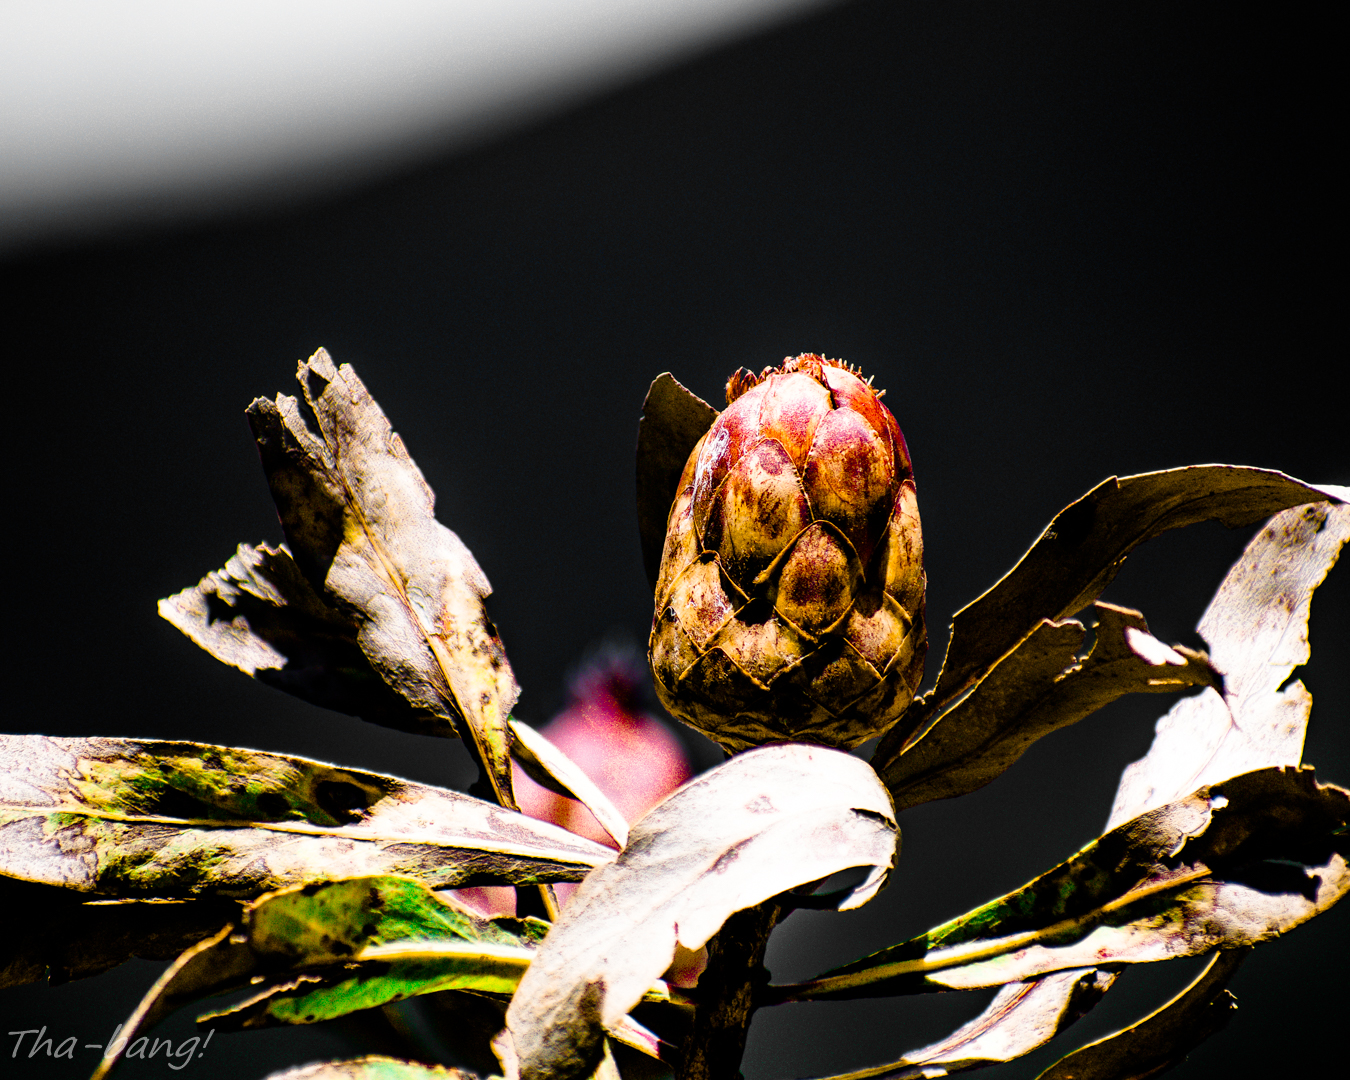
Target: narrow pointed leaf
360,523
68,936
764,822
260,615
1257,632
1039,687
549,767
1232,865
673,421
132,819
1084,546
372,1067
323,927
1264,599
1163,1038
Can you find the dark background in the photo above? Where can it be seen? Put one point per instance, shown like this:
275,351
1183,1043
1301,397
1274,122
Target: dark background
1070,240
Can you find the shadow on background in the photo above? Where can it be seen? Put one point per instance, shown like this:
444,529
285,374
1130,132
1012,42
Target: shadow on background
1070,241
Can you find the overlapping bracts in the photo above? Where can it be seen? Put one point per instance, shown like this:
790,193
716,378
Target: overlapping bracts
790,598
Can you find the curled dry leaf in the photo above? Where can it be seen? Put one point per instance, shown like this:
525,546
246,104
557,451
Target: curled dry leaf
260,615
549,767
1164,1037
673,421
310,946
360,522
759,824
1081,550
137,819
1256,631
1039,687
1232,865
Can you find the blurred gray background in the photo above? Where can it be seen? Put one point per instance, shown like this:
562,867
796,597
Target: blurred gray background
1070,240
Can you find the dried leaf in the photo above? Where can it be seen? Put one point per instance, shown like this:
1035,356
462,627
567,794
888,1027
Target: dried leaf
1039,687
1256,628
1163,1038
673,421
1084,546
373,1067
323,929
359,521
1273,580
123,818
67,936
761,823
260,615
1232,865
549,767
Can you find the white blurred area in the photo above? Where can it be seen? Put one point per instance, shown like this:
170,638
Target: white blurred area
115,111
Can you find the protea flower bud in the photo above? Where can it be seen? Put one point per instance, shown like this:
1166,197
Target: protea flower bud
789,603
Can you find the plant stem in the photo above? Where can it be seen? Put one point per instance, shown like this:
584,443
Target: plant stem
726,995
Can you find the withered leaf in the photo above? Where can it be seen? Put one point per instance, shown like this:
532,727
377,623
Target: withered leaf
1163,1038
68,936
360,523
1232,865
1082,549
1256,628
1038,687
259,614
372,1067
327,949
549,767
673,421
1201,739
122,818
765,821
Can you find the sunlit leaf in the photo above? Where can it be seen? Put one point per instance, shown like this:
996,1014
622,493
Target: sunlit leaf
673,421
549,767
130,819
1083,548
764,822
1256,628
260,615
1232,865
1039,687
373,1067
360,524
299,942
1164,1037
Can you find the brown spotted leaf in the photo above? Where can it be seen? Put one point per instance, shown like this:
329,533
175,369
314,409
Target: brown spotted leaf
1163,1038
360,523
120,818
1232,865
1082,549
259,614
673,421
765,821
1039,687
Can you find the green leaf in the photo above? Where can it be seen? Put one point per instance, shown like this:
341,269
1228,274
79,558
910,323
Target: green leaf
673,421
1232,865
260,615
764,822
1083,548
131,819
360,522
1163,1038
1039,687
303,944
374,1067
